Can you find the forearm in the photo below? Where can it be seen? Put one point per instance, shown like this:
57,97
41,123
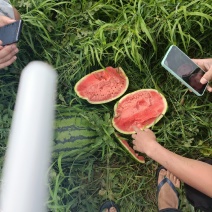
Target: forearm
195,173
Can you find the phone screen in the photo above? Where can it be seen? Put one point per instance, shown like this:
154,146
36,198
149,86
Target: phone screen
185,68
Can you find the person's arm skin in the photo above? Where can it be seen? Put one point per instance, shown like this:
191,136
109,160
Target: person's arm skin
195,173
206,65
7,53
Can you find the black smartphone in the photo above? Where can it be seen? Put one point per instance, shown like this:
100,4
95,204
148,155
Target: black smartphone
184,69
10,33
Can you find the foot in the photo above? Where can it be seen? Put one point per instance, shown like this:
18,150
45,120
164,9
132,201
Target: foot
112,209
167,198
109,206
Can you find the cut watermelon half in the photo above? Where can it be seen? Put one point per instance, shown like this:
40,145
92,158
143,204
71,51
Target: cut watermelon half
142,108
103,85
129,149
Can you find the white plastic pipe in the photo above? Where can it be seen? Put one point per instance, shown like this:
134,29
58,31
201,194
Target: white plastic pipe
24,185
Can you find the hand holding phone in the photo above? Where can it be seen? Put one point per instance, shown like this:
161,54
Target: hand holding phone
184,69
8,55
10,33
206,65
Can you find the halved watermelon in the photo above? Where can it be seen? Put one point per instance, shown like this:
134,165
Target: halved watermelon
125,144
142,108
103,85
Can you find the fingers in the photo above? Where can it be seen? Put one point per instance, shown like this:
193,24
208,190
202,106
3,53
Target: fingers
207,76
133,136
4,20
134,147
7,63
209,88
7,55
200,63
134,142
136,129
206,65
7,52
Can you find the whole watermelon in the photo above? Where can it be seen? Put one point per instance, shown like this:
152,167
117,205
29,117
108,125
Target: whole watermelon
74,140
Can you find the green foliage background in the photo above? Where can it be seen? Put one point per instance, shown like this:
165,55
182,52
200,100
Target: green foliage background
78,37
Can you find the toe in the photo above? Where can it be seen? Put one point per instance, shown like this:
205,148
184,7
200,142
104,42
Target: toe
176,181
168,174
163,172
177,184
173,179
161,176
112,209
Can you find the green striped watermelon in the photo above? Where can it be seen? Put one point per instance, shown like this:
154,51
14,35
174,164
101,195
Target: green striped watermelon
74,139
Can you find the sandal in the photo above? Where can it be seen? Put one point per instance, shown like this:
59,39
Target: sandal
109,204
166,180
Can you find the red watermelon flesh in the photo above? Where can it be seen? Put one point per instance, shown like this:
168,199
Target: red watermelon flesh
126,145
142,108
103,85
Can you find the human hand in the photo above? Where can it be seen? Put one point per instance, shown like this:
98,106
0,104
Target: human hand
144,140
206,65
7,53
4,20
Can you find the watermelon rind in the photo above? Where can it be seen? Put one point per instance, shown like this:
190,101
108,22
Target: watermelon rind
122,74
129,149
146,126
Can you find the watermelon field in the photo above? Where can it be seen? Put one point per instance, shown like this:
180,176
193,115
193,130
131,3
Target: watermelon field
79,37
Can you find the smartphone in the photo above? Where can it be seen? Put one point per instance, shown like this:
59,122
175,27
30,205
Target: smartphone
10,33
184,69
